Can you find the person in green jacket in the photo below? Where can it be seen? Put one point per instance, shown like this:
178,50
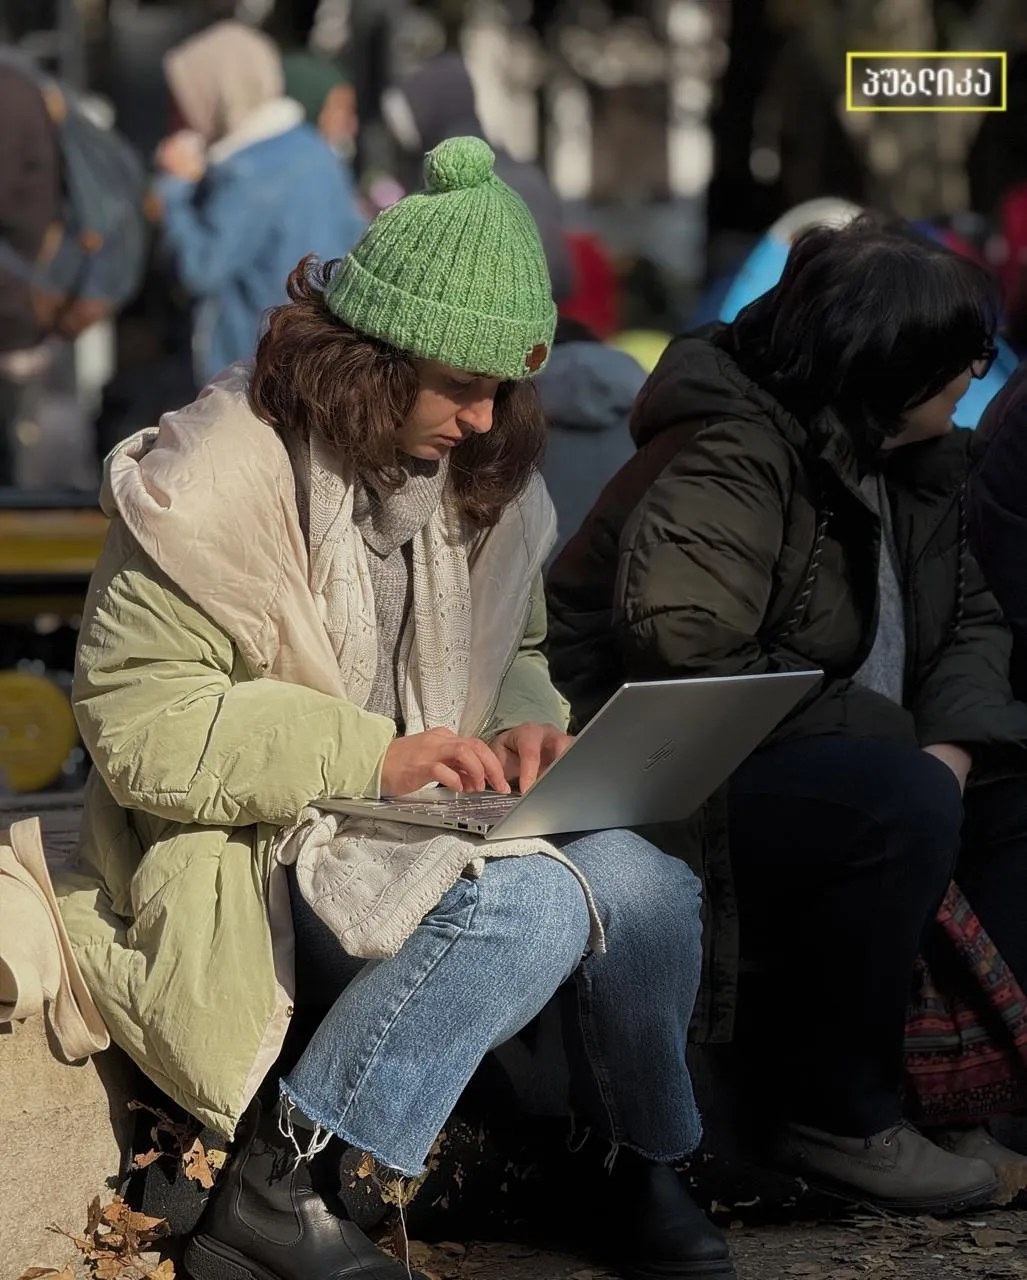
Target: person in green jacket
797,502
323,579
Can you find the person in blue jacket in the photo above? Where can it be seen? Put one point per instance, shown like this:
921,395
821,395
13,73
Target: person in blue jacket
587,391
247,188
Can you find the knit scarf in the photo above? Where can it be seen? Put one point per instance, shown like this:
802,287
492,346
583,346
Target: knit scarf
372,881
435,657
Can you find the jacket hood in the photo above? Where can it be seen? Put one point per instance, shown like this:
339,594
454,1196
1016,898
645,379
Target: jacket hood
221,76
210,497
440,97
180,488
696,380
589,387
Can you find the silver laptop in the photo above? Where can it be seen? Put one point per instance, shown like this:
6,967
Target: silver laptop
654,753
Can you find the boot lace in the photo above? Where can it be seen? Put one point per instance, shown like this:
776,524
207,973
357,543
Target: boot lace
902,1127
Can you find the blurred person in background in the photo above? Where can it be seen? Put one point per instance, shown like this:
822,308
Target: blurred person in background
796,503
73,244
998,510
30,194
594,298
587,390
647,312
326,94
438,102
1012,220
30,202
247,188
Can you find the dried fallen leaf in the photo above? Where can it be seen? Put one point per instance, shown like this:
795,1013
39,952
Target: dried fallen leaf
938,1227
365,1169
420,1255
194,1162
991,1237
166,1271
396,1192
143,1224
113,1213
109,1267
34,1273
146,1158
1012,1180
217,1159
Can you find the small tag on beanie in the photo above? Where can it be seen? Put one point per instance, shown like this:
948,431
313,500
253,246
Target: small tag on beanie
536,357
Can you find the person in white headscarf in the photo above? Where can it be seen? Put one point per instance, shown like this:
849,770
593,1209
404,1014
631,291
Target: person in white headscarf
247,188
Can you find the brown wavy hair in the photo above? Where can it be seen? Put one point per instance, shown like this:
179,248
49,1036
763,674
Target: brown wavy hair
314,373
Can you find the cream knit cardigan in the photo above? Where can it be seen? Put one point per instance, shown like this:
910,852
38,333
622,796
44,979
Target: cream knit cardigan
369,880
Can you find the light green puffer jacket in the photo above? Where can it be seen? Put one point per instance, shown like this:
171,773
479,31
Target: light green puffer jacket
205,698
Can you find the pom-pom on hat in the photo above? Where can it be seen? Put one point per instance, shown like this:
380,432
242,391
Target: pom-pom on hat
454,273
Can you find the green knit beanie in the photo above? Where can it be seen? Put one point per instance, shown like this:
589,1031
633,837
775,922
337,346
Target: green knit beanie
455,273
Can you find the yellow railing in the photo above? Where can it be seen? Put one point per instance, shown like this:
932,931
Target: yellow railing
50,543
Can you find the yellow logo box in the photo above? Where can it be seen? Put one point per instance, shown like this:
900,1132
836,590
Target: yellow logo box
925,81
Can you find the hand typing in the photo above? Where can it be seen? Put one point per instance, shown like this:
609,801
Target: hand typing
438,755
526,751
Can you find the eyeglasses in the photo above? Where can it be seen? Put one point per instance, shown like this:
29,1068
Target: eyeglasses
981,367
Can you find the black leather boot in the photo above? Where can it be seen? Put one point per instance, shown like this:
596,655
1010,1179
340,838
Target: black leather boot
267,1221
660,1233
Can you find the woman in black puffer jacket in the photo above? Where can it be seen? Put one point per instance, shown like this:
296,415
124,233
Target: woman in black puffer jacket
796,501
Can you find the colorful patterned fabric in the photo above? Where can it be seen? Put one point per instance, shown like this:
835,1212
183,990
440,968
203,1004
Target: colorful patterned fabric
966,1035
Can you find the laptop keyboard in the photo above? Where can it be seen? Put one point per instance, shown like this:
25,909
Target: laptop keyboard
484,806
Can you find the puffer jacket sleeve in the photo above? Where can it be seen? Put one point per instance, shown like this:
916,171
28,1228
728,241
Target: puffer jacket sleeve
966,697
697,557
527,692
172,731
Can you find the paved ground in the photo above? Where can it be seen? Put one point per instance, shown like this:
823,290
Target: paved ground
874,1248
991,1246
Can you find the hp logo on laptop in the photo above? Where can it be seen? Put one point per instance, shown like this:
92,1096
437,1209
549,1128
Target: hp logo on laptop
661,754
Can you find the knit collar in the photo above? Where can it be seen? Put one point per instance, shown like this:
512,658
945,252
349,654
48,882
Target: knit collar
387,521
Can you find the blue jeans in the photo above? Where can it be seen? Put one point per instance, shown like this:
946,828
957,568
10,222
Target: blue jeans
389,1061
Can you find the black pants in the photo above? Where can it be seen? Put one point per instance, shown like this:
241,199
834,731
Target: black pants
842,850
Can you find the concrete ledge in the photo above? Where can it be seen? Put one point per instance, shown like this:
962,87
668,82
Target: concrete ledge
63,1129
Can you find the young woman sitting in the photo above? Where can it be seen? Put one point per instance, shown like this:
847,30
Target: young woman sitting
322,579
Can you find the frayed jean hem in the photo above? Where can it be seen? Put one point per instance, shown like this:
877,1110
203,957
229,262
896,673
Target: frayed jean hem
317,1118
674,1158
575,1144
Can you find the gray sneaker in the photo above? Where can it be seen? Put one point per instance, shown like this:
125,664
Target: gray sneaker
897,1169
978,1144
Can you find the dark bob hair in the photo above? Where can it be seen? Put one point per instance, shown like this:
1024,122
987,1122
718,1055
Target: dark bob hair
871,319
313,373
